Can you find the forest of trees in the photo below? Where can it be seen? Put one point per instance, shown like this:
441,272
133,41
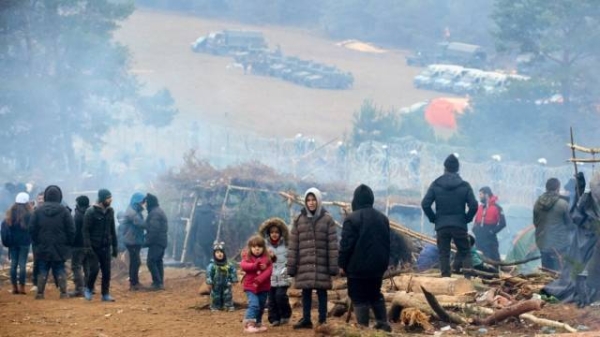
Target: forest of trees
64,78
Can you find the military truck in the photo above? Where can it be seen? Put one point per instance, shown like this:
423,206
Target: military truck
464,54
229,42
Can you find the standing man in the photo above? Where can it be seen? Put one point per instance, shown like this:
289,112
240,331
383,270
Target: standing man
133,237
79,263
156,241
450,194
100,242
489,220
52,233
364,255
553,225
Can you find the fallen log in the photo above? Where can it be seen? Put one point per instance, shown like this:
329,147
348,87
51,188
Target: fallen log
511,311
435,285
465,298
533,319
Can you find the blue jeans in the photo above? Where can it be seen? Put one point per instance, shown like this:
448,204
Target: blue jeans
18,258
256,306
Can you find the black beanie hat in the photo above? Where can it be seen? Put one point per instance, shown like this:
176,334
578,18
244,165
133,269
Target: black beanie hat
83,201
451,164
363,197
103,194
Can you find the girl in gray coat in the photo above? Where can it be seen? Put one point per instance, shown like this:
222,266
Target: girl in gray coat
312,255
276,235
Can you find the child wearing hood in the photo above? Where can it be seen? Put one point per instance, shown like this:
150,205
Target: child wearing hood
313,255
256,262
276,234
220,275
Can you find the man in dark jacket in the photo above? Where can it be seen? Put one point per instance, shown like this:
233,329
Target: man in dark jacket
132,227
79,263
52,233
364,255
450,194
553,225
100,242
156,240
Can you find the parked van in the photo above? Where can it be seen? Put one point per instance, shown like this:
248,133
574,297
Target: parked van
426,78
469,82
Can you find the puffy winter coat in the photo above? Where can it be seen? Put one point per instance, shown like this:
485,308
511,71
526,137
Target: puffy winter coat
279,278
51,228
313,248
256,280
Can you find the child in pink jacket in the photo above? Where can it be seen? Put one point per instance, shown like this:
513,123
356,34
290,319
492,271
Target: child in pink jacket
256,262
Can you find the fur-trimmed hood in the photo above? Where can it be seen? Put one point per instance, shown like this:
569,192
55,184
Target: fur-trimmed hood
283,228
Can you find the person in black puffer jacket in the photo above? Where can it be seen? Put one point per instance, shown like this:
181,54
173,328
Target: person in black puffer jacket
451,193
79,262
52,234
364,255
157,227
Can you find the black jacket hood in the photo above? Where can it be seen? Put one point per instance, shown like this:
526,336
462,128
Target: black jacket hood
363,197
151,201
53,194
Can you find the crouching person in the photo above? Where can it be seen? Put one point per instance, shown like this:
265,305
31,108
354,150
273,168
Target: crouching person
52,233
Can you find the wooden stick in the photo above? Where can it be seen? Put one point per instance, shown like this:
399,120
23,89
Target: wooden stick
582,148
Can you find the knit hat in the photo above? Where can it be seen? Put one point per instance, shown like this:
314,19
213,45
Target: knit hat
83,201
22,198
103,195
451,164
218,246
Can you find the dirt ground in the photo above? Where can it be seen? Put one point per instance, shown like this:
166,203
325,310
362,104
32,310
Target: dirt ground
206,90
179,312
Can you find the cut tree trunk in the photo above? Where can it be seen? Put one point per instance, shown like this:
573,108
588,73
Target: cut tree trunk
435,285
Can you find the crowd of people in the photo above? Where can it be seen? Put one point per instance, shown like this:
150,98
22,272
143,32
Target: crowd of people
86,236
307,254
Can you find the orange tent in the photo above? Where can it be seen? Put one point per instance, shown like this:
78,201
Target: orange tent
440,113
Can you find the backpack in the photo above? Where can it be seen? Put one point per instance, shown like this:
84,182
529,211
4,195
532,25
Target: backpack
5,232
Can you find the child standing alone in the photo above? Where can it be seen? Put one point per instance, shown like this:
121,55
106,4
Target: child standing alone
220,275
276,234
257,264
